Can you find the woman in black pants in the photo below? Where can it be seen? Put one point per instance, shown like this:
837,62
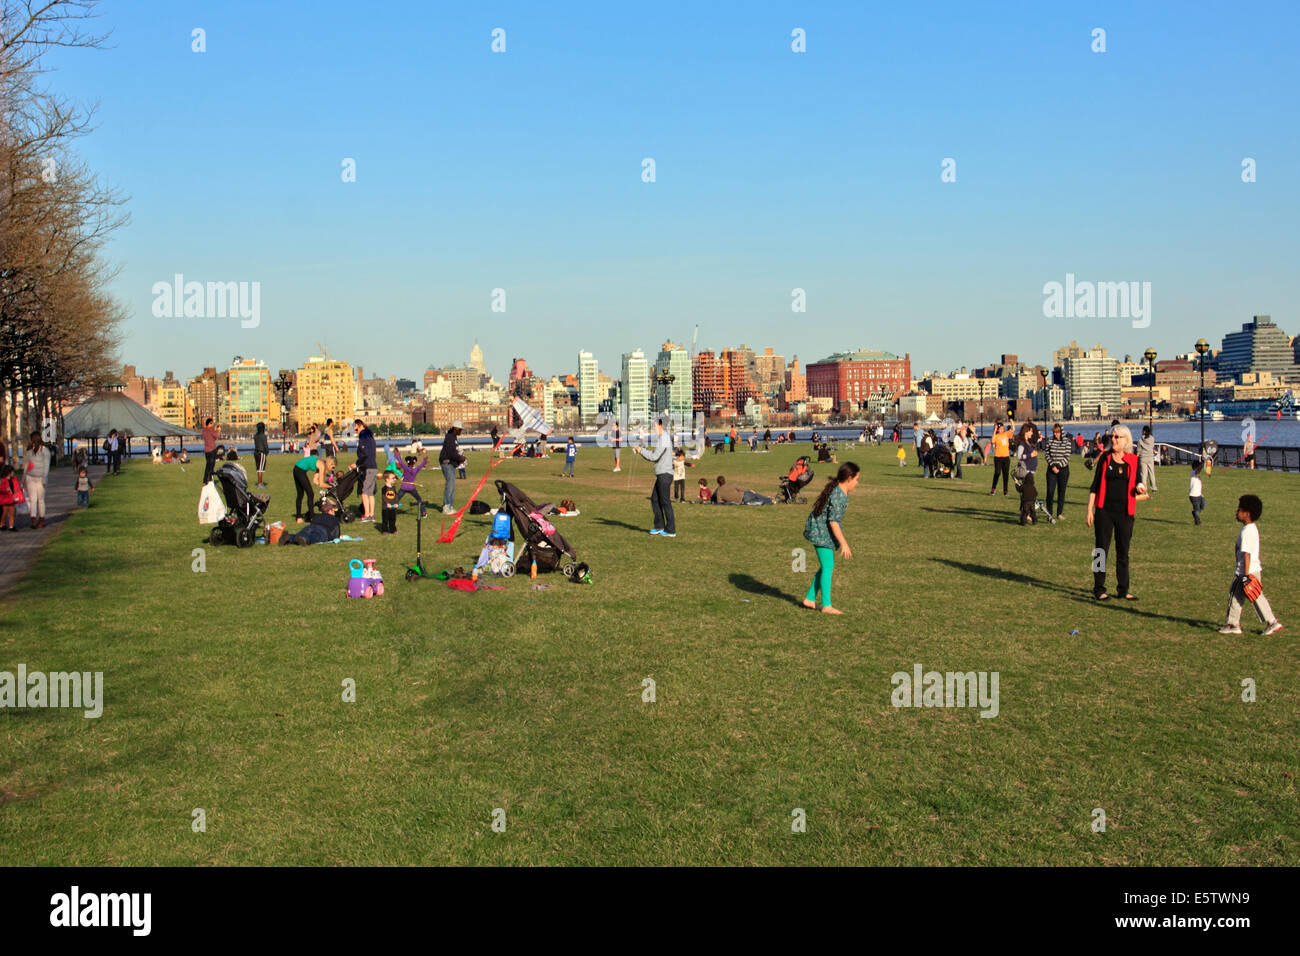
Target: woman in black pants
1112,506
309,473
1057,453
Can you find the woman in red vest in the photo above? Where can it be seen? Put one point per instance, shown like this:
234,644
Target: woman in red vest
1112,505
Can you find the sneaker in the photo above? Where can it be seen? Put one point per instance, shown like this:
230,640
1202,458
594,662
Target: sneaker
656,530
448,510
665,534
1273,628
366,520
618,469
1228,629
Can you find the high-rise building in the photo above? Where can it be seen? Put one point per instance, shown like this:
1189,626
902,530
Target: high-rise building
769,368
249,396
174,405
849,379
722,383
206,396
1260,346
674,397
634,386
1092,388
325,388
590,394
476,359
796,384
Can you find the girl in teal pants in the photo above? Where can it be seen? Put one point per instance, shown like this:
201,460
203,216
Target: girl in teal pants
824,532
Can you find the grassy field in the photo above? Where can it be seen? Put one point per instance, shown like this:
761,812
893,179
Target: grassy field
223,688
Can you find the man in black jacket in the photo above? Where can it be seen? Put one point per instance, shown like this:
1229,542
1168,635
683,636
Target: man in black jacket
368,467
449,459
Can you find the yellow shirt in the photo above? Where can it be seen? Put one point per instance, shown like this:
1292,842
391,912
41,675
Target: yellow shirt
901,454
1002,445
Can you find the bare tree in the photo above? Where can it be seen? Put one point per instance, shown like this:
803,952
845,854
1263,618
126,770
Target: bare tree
57,323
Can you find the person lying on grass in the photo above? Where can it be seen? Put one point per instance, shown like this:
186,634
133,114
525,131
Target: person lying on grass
324,527
824,531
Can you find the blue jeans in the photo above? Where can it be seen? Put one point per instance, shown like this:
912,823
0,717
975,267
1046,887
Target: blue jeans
568,467
1198,505
312,534
448,476
83,499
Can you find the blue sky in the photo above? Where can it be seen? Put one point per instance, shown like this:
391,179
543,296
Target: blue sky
775,170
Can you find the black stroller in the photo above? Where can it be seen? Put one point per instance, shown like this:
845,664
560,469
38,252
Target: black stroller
245,513
795,481
338,493
549,549
941,461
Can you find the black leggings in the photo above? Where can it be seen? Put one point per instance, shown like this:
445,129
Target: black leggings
1001,466
1104,523
302,483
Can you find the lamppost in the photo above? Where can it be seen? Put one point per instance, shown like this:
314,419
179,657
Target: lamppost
981,431
1202,347
282,386
1150,356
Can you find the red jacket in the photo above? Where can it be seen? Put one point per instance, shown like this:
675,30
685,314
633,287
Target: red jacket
1132,462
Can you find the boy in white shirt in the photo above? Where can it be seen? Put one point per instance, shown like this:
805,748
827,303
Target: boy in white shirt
1194,494
1246,586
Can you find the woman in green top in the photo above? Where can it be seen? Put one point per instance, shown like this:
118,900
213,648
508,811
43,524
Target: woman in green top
308,471
823,530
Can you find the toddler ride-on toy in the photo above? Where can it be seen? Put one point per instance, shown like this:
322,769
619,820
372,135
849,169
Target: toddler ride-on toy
364,580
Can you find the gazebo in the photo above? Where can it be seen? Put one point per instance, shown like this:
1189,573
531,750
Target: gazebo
94,418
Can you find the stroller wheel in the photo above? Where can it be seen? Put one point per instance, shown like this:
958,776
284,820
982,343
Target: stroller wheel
216,538
346,515
410,575
244,537
508,571
567,570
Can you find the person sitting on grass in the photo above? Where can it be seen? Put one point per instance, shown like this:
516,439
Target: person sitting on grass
824,532
324,527
705,496
728,494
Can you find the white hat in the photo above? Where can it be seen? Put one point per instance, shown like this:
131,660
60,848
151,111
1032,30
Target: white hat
458,424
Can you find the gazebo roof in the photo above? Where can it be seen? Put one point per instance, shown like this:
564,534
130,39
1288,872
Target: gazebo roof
97,416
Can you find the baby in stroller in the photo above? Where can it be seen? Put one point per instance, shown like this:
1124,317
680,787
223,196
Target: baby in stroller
245,513
796,480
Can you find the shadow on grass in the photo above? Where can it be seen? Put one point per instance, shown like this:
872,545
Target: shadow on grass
983,514
643,529
1073,593
751,585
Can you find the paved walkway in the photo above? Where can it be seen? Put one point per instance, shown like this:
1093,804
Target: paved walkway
18,550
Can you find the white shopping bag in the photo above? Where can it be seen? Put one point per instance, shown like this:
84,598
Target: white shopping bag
211,508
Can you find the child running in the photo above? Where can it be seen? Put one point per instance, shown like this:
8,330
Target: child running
823,530
1246,586
902,457
409,470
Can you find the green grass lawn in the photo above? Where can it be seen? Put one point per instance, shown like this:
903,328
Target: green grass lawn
223,688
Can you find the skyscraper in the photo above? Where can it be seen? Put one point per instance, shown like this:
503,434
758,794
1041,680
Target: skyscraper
1091,385
1260,346
635,393
476,358
674,397
589,391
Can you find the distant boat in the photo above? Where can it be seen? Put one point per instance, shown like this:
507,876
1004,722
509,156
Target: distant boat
1216,416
